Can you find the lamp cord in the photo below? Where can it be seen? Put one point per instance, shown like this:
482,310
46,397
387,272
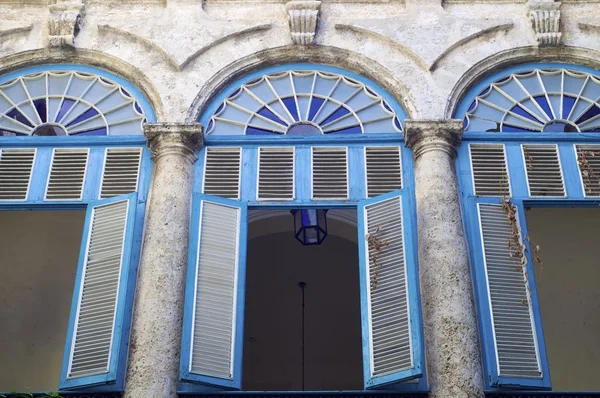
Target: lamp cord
302,286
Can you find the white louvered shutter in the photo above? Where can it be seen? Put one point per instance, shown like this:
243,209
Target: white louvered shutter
121,171
490,172
384,170
212,343
67,174
544,172
329,173
222,169
16,165
94,335
393,336
276,173
588,160
510,298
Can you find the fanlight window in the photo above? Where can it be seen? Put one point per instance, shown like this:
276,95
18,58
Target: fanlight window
555,100
303,102
56,103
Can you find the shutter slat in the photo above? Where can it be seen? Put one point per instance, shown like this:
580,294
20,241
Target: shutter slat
389,315
222,172
511,310
276,173
67,174
16,166
95,322
588,159
121,171
384,170
490,173
543,169
214,306
330,173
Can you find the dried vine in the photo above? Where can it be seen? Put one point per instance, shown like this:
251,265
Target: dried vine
588,173
376,246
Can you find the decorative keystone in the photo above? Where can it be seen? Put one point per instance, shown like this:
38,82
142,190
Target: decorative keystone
303,16
545,19
174,139
433,135
64,22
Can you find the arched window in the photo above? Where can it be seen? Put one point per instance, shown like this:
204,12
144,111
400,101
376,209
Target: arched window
529,181
74,173
326,146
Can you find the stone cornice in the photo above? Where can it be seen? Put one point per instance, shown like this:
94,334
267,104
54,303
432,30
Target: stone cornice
184,139
433,135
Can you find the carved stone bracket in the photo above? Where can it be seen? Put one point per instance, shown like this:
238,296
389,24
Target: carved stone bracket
303,16
183,139
64,22
433,135
545,19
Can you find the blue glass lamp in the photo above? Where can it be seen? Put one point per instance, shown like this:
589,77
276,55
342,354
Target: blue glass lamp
310,225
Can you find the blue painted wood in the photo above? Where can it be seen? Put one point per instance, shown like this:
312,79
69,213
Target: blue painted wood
116,355
93,177
73,141
357,174
278,140
516,170
225,93
249,179
412,282
39,175
131,89
193,252
303,174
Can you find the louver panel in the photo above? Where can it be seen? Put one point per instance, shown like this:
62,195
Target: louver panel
121,171
15,173
384,170
588,159
509,296
214,313
544,173
388,300
67,174
95,322
329,173
276,174
222,172
489,170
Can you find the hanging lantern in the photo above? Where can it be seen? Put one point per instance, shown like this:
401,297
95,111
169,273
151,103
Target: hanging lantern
310,225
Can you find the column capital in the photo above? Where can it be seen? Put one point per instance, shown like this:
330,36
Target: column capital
433,135
174,138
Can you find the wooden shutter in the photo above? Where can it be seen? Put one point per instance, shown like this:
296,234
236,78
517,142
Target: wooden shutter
588,160
490,171
121,171
384,169
214,317
544,172
16,165
329,173
94,335
276,173
222,169
515,341
67,174
389,299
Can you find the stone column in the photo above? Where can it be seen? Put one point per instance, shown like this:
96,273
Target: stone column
450,324
153,365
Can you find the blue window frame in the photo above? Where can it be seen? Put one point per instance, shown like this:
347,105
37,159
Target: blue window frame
316,168
527,132
71,138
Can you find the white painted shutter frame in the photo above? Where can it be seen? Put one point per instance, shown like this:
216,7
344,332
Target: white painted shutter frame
67,174
384,169
94,336
276,173
510,298
121,171
392,350
490,170
544,171
222,171
16,165
212,342
588,161
329,172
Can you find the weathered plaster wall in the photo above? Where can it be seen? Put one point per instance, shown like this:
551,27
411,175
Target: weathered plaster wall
178,46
